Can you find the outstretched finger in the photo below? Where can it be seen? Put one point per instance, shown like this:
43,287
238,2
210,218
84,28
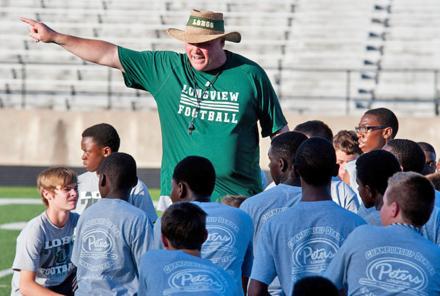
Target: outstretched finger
28,21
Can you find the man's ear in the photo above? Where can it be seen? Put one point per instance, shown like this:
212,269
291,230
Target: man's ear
106,151
182,190
387,133
166,243
102,180
284,165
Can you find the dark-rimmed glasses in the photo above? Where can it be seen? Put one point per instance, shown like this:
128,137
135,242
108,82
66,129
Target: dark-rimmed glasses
368,128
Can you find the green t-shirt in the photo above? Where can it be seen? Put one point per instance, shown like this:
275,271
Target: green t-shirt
226,105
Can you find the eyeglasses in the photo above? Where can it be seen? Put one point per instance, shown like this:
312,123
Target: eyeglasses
368,128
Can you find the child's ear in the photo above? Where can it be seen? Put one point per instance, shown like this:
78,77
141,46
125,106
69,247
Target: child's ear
106,151
183,190
165,242
102,180
387,133
284,165
395,209
47,194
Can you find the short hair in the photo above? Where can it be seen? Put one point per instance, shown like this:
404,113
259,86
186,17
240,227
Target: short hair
184,225
347,141
435,180
414,194
50,178
198,172
314,285
121,169
104,135
286,145
375,168
426,147
233,200
408,153
315,128
386,118
315,161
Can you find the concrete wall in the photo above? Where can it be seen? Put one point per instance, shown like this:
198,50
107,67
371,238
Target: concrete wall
42,137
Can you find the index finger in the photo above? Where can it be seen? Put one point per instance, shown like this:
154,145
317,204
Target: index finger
28,21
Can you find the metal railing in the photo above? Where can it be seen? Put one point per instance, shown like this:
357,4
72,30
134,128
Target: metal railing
347,87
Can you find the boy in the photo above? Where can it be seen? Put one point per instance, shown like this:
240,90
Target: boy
430,158
395,259
412,159
269,203
112,234
302,240
98,142
265,205
42,263
347,151
342,194
229,242
179,269
376,128
373,171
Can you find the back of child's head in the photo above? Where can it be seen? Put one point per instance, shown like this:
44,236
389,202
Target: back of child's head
233,200
198,172
375,168
315,128
104,135
286,145
120,170
315,161
347,142
408,153
435,180
386,118
56,177
184,225
314,286
414,194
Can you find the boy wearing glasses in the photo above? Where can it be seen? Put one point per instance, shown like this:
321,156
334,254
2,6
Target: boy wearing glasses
42,263
376,128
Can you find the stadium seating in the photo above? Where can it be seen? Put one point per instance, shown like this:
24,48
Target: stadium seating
328,56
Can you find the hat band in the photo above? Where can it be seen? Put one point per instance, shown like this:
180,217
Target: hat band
200,22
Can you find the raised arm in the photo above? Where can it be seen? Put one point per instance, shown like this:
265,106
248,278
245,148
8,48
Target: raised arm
91,50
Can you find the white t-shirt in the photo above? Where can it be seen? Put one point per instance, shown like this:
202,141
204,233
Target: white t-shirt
88,193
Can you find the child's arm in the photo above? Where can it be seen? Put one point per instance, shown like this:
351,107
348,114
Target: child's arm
28,286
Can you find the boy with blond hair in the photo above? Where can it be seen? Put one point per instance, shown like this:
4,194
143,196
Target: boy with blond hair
42,263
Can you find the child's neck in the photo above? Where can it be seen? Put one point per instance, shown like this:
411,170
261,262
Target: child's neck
192,252
315,193
58,218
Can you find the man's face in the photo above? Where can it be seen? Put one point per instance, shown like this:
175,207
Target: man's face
92,154
205,56
371,138
274,166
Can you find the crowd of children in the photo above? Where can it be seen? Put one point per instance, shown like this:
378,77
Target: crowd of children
353,214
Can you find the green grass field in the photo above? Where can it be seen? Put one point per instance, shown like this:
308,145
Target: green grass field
20,213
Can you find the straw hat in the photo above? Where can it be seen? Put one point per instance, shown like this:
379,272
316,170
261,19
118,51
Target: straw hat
204,26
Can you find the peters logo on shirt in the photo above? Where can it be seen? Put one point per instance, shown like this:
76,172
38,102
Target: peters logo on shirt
193,281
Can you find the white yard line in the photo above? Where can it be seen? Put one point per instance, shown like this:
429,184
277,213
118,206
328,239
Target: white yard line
20,201
5,272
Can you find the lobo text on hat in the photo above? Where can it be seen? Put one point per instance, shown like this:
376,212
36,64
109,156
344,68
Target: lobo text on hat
204,26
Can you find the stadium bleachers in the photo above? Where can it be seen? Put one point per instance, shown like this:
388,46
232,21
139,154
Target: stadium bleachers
323,56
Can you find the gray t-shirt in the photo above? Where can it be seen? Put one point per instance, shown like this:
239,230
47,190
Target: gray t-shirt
46,250
112,236
88,192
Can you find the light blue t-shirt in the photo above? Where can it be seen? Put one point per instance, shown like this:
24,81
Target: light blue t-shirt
164,272
343,195
370,215
229,242
269,203
431,230
390,260
111,237
301,242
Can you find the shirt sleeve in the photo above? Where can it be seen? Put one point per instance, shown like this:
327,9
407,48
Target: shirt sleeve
29,246
263,269
146,70
270,114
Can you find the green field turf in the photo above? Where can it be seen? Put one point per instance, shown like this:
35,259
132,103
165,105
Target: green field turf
21,213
